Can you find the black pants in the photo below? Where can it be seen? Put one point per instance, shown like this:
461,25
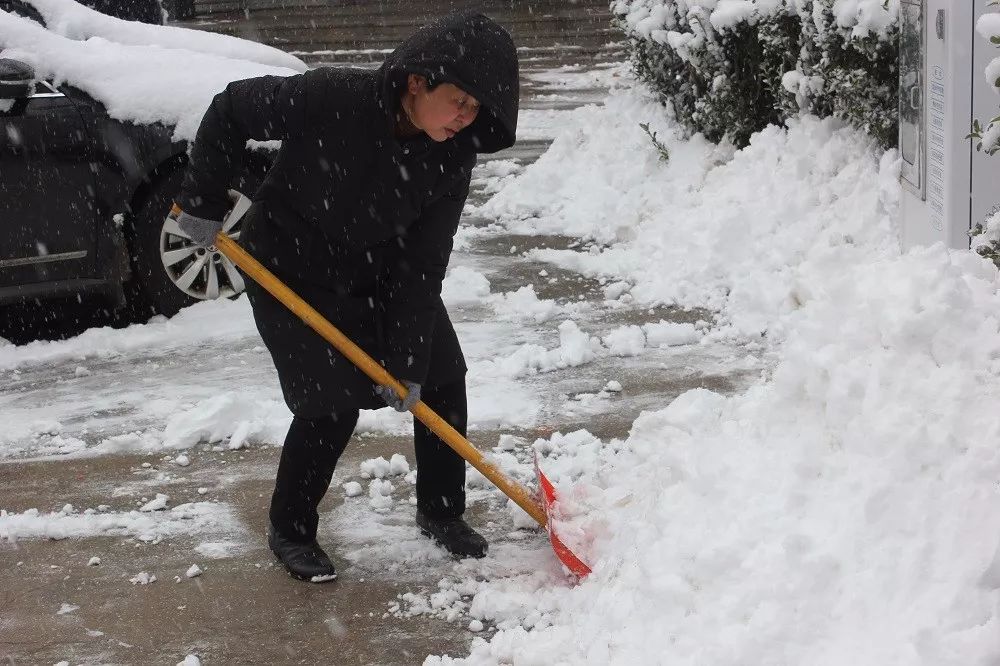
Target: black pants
313,446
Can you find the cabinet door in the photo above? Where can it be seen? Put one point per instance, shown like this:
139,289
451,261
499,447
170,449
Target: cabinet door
48,210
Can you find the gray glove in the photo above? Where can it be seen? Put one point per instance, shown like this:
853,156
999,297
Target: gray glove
400,404
200,230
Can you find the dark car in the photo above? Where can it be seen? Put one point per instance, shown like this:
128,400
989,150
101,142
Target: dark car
84,201
147,11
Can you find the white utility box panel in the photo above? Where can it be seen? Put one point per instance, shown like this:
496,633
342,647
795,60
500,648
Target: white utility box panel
948,186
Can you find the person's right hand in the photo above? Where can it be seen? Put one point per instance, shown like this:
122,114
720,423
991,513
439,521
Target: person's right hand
200,230
393,399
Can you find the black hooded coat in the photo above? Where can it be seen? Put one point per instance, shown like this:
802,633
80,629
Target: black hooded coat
356,221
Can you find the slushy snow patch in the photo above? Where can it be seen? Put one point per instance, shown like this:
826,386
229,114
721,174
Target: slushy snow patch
576,347
669,334
147,526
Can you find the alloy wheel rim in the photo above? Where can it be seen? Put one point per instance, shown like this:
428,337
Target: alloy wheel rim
203,273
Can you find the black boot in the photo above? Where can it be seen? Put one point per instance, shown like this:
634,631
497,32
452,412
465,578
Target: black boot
305,561
454,534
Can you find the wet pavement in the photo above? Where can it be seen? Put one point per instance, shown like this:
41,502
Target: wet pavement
244,609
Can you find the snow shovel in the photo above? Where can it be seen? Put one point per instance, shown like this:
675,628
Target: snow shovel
537,508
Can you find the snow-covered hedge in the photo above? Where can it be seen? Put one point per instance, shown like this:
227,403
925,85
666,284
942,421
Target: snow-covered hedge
986,240
728,68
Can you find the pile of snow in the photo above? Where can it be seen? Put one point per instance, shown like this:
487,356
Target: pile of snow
236,416
378,471
141,73
467,286
143,578
577,347
844,510
719,234
464,285
380,468
380,494
201,322
523,303
158,503
352,489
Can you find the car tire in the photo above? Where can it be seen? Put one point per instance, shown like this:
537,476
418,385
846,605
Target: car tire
150,290
169,270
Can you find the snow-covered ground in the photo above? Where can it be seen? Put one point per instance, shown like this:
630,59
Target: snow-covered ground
138,436
840,507
843,509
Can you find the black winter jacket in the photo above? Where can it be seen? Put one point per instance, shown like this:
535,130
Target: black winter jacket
359,222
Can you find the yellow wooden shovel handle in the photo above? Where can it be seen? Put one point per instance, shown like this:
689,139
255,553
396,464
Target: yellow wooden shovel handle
514,490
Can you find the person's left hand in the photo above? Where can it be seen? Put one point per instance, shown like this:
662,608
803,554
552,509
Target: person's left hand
395,401
200,230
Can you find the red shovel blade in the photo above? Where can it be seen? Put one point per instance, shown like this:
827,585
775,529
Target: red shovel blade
565,555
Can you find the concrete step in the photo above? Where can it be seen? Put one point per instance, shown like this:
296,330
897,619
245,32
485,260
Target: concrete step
372,28
383,7
333,38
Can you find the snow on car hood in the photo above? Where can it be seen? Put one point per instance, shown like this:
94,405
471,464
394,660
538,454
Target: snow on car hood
75,21
141,73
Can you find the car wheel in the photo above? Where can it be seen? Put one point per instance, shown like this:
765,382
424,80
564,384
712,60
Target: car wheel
170,271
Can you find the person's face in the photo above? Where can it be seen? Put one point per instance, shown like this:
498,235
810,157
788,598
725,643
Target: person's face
443,112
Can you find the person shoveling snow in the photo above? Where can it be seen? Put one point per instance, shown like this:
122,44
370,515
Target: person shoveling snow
358,215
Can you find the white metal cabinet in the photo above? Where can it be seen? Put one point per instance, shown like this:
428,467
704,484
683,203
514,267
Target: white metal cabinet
948,185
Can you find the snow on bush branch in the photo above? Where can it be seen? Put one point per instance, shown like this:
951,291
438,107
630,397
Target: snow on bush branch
728,68
989,137
986,240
